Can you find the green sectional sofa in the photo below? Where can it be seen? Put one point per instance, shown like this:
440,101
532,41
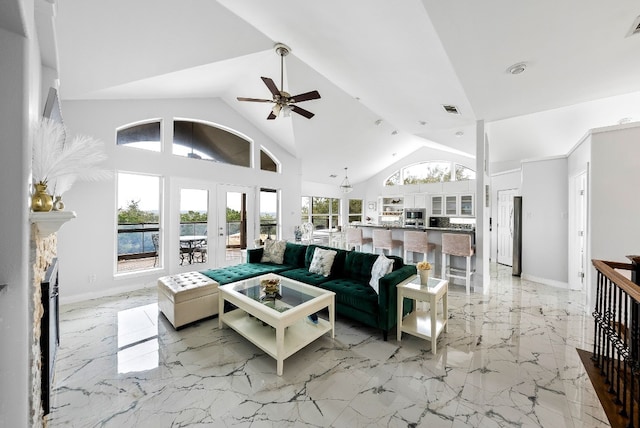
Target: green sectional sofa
349,279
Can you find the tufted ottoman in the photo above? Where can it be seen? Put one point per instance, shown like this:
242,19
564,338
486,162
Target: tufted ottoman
187,297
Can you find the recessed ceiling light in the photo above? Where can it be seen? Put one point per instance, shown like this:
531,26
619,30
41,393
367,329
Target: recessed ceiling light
459,134
378,122
625,120
422,122
394,132
393,154
517,68
333,176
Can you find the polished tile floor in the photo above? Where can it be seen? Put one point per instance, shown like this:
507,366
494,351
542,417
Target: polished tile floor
508,360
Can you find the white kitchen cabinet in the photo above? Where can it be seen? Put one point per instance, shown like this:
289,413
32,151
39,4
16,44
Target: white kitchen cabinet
436,205
466,205
451,205
420,201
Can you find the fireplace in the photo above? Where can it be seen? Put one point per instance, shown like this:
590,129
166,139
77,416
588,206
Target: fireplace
49,334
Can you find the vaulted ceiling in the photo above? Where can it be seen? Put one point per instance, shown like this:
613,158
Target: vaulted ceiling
391,62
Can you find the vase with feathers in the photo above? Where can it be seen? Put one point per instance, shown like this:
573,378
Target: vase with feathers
57,162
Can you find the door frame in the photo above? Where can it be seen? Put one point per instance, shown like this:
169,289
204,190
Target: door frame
578,231
221,218
510,193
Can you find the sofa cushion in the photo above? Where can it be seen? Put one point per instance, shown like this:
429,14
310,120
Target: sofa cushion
380,268
243,271
322,261
273,251
338,261
358,266
303,275
354,294
294,255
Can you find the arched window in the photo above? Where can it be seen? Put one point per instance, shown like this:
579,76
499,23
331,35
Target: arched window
430,172
202,141
267,163
144,135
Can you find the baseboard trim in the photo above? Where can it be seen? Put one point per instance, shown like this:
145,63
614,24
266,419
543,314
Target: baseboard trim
104,293
545,281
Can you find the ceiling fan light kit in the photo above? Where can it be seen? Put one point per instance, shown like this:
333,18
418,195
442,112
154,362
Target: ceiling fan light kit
282,100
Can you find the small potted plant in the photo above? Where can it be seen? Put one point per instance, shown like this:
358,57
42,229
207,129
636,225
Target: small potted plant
423,269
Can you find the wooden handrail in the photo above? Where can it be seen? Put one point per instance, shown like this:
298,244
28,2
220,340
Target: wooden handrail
608,270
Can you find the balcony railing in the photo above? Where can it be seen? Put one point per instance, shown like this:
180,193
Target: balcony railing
616,344
135,240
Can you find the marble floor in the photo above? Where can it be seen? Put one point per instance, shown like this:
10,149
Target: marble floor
507,360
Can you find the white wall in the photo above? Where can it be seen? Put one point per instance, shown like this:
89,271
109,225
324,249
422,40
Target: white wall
87,244
20,106
614,203
501,181
544,221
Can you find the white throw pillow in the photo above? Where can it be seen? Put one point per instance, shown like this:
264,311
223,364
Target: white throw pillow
322,261
273,251
380,268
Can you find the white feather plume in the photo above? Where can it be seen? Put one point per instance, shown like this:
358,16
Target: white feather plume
61,163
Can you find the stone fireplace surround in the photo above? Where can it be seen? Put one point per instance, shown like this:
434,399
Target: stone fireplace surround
43,250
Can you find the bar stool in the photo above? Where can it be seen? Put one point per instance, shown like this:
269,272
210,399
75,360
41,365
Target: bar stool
354,237
382,239
457,244
417,242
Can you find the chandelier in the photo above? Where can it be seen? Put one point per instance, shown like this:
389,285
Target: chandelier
345,186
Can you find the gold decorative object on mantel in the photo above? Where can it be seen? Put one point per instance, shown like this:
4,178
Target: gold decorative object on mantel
41,201
50,222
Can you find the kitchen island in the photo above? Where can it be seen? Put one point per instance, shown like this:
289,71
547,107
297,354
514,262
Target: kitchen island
434,235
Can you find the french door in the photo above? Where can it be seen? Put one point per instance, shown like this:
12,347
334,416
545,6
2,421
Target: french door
236,225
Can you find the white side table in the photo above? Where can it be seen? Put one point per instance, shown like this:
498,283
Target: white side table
427,325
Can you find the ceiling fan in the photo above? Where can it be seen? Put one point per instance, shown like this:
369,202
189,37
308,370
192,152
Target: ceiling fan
282,100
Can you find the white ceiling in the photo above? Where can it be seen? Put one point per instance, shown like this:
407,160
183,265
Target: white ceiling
398,61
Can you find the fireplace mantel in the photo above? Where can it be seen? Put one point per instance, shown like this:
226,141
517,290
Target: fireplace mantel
50,222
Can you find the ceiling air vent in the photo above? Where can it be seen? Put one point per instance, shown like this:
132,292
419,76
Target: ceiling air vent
635,28
450,109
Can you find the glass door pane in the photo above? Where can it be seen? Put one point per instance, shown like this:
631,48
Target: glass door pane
194,215
139,240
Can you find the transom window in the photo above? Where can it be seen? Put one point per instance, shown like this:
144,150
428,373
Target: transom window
144,136
430,172
202,141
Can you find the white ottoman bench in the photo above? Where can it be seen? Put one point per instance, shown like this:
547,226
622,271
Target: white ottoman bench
187,297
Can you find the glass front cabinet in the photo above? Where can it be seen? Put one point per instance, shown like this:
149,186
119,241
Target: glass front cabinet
452,205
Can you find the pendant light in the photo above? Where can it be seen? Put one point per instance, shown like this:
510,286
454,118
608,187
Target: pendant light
345,186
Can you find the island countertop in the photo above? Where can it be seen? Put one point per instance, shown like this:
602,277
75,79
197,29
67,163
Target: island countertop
427,228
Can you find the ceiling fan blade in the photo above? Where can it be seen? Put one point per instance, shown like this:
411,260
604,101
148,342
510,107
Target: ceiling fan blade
271,116
313,95
302,112
272,86
254,100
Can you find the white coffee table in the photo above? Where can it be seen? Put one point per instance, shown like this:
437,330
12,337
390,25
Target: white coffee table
288,315
427,325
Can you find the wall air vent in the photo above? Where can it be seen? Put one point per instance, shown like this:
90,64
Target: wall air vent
635,28
450,109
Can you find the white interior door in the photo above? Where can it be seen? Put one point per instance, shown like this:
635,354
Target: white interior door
236,222
505,226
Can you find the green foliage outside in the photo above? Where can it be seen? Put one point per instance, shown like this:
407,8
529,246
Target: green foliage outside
193,217
133,214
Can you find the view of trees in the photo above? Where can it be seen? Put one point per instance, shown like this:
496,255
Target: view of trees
133,214
429,172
